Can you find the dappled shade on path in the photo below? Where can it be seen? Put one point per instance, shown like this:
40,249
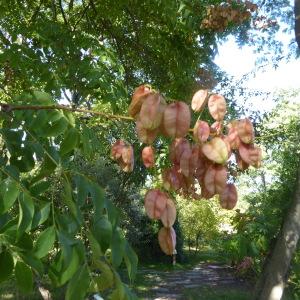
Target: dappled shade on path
169,285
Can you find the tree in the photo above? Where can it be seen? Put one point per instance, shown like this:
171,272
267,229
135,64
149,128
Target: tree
76,51
274,274
198,222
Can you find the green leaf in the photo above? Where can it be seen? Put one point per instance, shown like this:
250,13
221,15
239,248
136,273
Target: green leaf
117,247
67,198
38,120
55,129
10,225
95,247
24,162
26,208
86,142
113,213
4,219
81,189
41,215
72,267
9,191
24,277
131,261
129,295
25,242
97,197
106,278
6,265
48,165
70,141
39,188
102,231
44,242
34,262
42,98
119,292
76,290
70,117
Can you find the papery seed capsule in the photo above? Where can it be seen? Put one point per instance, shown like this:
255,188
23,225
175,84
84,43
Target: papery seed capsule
201,131
228,198
148,157
168,216
138,97
216,150
116,149
245,131
152,111
250,154
167,240
177,119
217,107
146,136
199,100
215,179
155,203
172,179
177,148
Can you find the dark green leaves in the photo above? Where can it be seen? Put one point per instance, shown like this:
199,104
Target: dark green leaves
9,192
79,284
41,215
70,141
131,261
102,231
6,265
82,224
44,242
26,208
24,277
117,247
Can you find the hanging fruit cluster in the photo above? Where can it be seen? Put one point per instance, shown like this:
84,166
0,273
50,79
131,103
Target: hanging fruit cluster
218,17
199,169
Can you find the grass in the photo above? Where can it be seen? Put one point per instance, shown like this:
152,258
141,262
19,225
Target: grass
191,259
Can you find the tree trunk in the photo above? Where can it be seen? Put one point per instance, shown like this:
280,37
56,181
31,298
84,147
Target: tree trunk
271,283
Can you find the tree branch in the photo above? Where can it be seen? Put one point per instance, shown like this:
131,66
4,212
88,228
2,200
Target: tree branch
5,107
54,10
81,16
32,19
63,12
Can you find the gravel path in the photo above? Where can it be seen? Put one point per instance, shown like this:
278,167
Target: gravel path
170,285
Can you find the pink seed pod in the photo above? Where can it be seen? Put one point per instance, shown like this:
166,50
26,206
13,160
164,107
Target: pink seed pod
177,119
167,240
148,157
137,99
217,107
155,203
199,100
228,198
201,131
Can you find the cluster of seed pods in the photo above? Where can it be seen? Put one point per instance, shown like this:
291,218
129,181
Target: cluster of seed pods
199,168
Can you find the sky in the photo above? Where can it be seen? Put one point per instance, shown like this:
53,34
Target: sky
240,61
